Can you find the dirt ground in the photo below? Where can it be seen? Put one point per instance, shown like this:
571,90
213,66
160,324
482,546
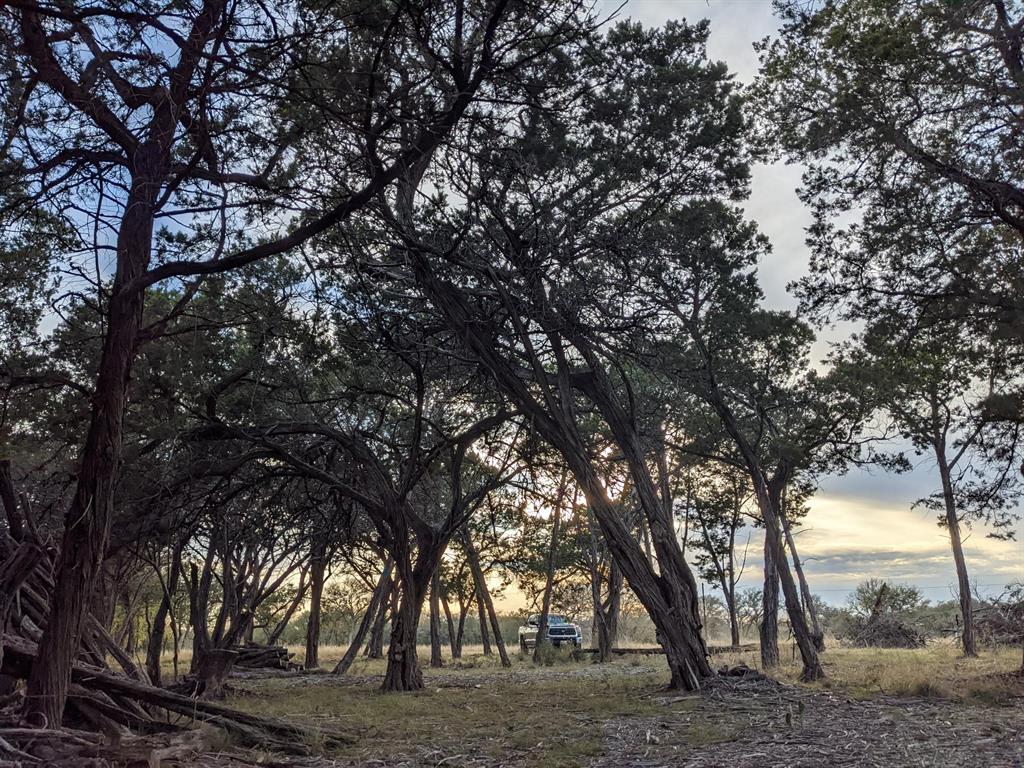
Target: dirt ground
620,716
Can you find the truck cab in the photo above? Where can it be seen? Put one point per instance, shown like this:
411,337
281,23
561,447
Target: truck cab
561,631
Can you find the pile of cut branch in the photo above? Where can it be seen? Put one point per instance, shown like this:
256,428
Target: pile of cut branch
882,632
1001,622
882,629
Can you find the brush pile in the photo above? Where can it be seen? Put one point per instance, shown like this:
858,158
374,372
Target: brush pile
882,632
1001,622
881,628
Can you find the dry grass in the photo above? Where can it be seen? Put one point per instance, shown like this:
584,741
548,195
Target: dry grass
550,723
556,717
937,670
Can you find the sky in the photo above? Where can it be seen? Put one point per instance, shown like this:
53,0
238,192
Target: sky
861,525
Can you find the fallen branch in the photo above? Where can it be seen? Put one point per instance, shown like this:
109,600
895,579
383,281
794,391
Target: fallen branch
252,730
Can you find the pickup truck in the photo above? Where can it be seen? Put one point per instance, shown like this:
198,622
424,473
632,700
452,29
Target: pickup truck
560,632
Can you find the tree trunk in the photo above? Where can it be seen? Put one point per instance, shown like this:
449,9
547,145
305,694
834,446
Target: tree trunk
300,592
212,672
198,601
669,595
317,569
485,596
453,639
613,604
378,598
435,621
549,578
460,634
485,634
967,637
769,629
155,648
817,636
812,669
734,620
375,647
599,635
403,672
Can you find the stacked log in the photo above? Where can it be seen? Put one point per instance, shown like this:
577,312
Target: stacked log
264,657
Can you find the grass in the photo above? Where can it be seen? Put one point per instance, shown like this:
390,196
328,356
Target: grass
935,671
536,715
555,723
546,718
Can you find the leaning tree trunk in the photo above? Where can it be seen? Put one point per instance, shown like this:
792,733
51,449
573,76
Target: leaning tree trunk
485,634
155,648
435,621
486,604
669,594
317,569
967,637
375,646
805,591
87,522
768,499
769,629
453,638
460,633
379,597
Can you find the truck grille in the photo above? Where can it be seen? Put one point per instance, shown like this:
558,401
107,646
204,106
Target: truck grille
561,632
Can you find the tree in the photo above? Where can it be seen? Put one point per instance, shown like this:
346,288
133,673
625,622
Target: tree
906,114
516,273
934,383
138,99
717,502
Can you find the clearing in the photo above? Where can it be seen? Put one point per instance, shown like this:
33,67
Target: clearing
879,708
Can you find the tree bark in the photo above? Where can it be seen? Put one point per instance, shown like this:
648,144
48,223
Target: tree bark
403,672
599,634
435,621
375,647
769,629
154,649
453,639
460,633
805,591
317,569
485,634
967,636
485,596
